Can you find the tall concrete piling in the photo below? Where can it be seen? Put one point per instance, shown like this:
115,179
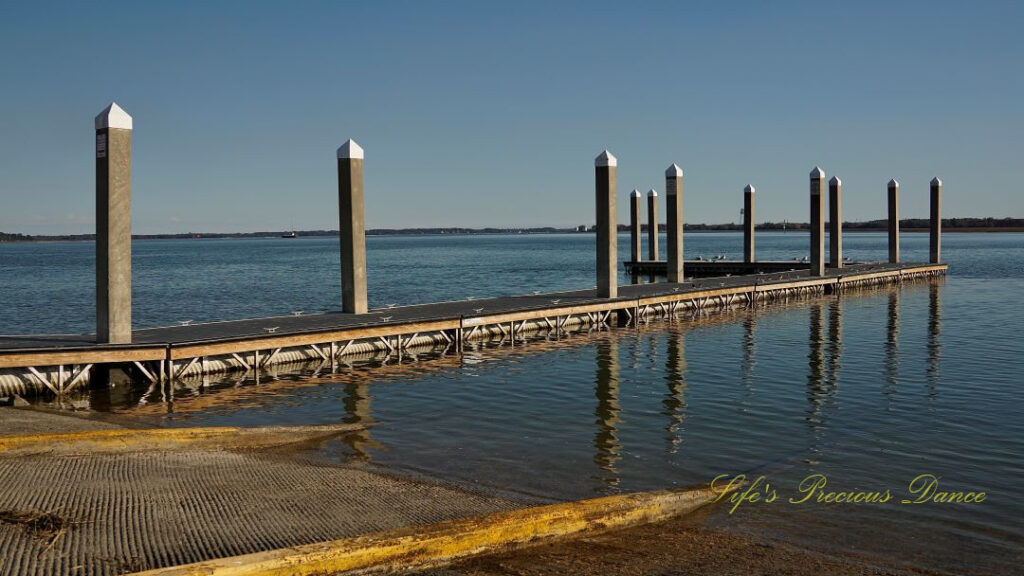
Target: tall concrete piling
635,241
935,228
652,224
607,228
835,222
352,229
817,223
894,221
113,226
674,221
748,224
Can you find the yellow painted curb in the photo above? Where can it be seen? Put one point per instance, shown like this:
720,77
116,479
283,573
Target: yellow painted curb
439,544
133,440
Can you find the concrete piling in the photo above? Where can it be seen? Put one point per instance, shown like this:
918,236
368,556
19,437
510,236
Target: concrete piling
894,221
835,222
113,226
652,224
817,223
674,221
635,241
935,228
352,229
748,224
607,229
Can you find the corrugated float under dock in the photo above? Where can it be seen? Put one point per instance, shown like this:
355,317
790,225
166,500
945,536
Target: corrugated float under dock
59,363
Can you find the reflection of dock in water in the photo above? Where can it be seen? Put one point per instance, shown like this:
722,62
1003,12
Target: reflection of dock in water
890,369
674,402
934,337
606,389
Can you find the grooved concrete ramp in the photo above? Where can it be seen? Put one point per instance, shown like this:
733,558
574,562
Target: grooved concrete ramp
116,513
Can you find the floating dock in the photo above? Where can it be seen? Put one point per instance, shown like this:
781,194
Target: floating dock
60,363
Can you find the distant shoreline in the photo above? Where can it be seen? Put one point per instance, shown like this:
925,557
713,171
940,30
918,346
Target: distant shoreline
909,226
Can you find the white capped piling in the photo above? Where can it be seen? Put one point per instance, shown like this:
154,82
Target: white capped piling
835,222
352,229
635,241
894,221
674,222
113,226
817,223
748,224
652,224
607,227
935,228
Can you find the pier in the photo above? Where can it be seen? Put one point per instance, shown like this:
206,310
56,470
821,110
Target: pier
60,363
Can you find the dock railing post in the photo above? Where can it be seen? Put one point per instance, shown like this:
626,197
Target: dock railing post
635,241
894,221
652,224
674,222
113,226
607,227
352,229
835,222
935,229
748,224
817,223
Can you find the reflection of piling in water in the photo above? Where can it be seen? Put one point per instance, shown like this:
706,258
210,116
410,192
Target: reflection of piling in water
892,335
747,371
606,388
358,411
675,377
816,387
835,342
934,336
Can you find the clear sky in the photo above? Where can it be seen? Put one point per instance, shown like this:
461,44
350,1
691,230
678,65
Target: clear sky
491,114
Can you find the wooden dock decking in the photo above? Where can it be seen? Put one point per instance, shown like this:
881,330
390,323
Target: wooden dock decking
62,362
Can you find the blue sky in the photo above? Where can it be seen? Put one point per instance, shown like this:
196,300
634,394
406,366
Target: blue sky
490,114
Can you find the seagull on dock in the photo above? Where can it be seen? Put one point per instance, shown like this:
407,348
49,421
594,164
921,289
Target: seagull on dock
700,258
556,300
386,318
271,329
391,305
184,322
478,310
296,312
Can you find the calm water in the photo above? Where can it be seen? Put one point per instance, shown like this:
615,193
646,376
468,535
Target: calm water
871,389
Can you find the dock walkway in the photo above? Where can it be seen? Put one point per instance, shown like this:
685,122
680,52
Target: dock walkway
60,362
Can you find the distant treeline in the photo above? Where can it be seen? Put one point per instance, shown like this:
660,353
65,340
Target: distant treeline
909,223
5,237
